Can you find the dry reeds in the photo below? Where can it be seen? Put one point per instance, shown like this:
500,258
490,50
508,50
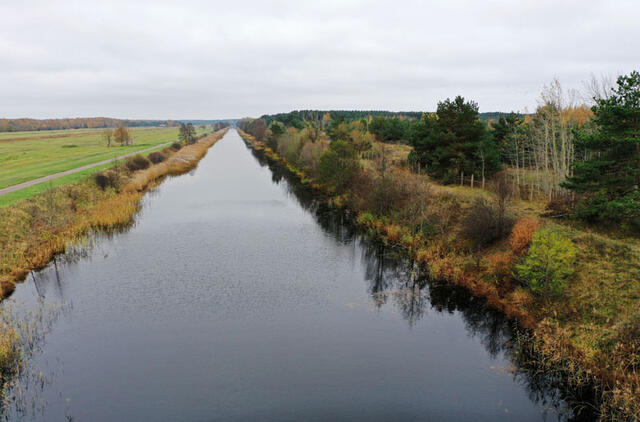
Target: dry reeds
34,230
180,162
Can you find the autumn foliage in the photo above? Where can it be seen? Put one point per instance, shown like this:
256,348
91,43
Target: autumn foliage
522,233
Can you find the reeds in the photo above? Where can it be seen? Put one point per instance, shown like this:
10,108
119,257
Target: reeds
181,162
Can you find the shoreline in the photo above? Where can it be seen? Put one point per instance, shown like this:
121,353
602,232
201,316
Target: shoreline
553,350
112,211
109,212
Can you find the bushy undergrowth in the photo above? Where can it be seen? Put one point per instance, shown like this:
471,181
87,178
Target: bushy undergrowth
157,157
522,233
108,179
137,162
483,224
582,288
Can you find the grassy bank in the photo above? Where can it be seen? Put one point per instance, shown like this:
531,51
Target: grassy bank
590,331
34,230
27,159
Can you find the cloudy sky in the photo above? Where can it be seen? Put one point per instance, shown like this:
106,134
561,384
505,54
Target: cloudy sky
208,59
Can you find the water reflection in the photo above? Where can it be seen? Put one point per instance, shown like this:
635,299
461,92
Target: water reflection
227,326
393,278
23,396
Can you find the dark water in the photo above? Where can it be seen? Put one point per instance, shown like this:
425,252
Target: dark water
237,296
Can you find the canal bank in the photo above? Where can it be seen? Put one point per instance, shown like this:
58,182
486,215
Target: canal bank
238,294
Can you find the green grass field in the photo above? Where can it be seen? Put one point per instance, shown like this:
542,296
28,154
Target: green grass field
24,160
54,151
44,133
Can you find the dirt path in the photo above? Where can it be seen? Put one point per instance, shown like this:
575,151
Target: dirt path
29,183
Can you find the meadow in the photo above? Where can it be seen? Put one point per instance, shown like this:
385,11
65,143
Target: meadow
26,156
30,155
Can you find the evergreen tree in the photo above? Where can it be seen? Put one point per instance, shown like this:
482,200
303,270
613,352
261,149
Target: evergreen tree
277,129
504,132
338,165
454,141
610,176
389,129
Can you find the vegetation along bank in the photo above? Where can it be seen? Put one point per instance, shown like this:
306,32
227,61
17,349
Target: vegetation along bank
536,213
34,230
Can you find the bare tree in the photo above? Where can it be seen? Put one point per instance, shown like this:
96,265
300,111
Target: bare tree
598,88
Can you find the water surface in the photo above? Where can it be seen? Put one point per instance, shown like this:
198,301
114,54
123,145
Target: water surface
238,296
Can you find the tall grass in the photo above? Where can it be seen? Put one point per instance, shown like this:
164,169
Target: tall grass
181,162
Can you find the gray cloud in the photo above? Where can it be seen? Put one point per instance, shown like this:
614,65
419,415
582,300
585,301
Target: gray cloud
204,59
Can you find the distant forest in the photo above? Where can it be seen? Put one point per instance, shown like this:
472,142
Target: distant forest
299,117
19,125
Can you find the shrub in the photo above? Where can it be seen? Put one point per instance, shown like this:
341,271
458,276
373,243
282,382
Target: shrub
560,206
176,146
522,233
485,223
338,166
107,179
157,157
500,266
101,180
137,162
443,213
548,265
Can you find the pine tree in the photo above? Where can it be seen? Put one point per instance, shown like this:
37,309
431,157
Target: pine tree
610,177
454,142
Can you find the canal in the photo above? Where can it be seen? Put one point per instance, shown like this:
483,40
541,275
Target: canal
238,295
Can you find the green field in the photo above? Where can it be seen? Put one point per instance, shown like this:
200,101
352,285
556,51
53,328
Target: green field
24,160
44,133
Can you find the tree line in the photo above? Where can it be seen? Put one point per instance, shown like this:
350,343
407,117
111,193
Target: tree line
18,125
584,161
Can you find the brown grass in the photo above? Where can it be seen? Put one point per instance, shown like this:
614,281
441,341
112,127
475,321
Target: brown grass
181,162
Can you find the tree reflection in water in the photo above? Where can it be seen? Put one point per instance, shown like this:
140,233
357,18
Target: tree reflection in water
393,278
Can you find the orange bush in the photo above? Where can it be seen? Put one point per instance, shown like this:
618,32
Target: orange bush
522,233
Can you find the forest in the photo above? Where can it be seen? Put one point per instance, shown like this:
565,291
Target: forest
578,157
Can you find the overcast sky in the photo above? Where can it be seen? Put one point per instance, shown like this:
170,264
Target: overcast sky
190,59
